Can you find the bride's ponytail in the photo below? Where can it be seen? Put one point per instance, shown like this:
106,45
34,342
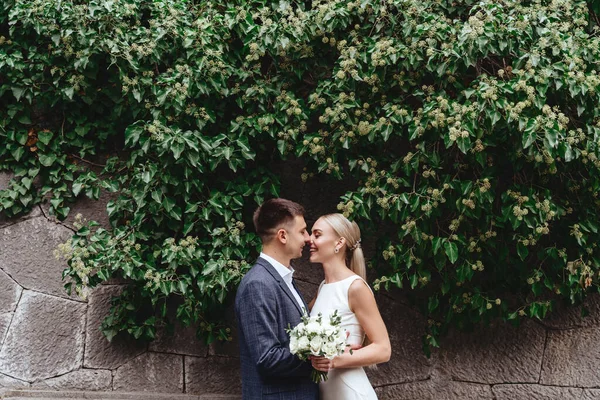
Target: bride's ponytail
355,256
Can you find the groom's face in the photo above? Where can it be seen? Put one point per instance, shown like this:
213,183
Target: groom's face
297,237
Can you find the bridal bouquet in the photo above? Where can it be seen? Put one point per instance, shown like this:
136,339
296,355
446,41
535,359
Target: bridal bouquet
318,336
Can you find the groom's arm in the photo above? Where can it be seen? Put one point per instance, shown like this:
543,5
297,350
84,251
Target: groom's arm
257,308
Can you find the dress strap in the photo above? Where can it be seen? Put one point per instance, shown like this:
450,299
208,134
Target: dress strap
320,286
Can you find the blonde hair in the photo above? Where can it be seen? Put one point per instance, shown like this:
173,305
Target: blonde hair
355,258
350,231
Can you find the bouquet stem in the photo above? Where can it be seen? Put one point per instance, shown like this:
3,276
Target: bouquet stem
318,376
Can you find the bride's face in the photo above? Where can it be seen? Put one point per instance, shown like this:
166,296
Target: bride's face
323,241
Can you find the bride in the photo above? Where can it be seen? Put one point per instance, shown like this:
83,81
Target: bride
335,243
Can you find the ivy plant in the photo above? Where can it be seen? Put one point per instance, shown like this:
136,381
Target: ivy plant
471,128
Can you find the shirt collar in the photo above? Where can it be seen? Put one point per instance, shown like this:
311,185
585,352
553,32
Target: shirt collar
285,272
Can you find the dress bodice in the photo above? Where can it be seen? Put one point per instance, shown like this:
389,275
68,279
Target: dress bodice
334,296
343,383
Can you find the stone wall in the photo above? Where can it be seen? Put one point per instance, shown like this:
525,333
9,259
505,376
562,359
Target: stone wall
51,341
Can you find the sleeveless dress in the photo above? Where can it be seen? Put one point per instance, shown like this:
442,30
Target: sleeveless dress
343,383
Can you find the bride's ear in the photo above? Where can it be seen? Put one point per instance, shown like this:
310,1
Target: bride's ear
341,242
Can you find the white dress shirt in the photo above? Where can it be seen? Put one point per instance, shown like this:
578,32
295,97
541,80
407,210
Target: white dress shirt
287,273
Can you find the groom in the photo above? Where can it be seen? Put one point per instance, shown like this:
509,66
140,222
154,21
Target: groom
267,302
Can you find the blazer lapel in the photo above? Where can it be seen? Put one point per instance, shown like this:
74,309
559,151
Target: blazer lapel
282,284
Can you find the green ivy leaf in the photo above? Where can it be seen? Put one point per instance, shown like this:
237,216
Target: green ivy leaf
451,250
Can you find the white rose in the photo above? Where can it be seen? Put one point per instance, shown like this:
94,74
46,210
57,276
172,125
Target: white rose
330,350
303,343
293,345
313,327
300,328
315,345
329,330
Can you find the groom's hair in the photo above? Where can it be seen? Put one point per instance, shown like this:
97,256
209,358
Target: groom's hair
274,214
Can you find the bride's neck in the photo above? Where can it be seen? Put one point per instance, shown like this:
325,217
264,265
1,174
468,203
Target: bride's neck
335,271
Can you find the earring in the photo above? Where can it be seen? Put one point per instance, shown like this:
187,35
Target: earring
336,250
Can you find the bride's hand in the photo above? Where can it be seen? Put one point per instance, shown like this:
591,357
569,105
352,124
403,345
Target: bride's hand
353,347
321,363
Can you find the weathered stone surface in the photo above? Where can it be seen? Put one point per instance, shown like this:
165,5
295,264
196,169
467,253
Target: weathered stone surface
83,379
23,394
91,210
566,316
10,293
45,338
408,363
535,392
308,290
571,358
152,372
231,348
6,221
34,269
12,383
99,352
590,394
324,188
212,375
430,390
307,274
4,324
5,178
496,354
182,341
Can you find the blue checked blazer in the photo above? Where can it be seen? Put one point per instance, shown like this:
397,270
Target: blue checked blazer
265,307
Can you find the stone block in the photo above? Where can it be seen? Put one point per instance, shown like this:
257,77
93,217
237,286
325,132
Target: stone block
4,324
10,292
23,394
213,375
5,178
408,362
12,383
231,348
83,379
571,358
182,341
99,352
498,353
45,338
430,390
91,210
566,316
307,273
308,290
590,394
34,269
151,372
535,392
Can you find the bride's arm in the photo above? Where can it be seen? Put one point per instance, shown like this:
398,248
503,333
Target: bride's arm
362,303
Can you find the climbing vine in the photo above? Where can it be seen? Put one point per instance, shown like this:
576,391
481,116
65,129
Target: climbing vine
471,128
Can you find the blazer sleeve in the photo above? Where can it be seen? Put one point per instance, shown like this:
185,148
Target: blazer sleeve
259,323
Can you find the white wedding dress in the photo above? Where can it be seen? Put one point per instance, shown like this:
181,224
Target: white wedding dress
343,383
